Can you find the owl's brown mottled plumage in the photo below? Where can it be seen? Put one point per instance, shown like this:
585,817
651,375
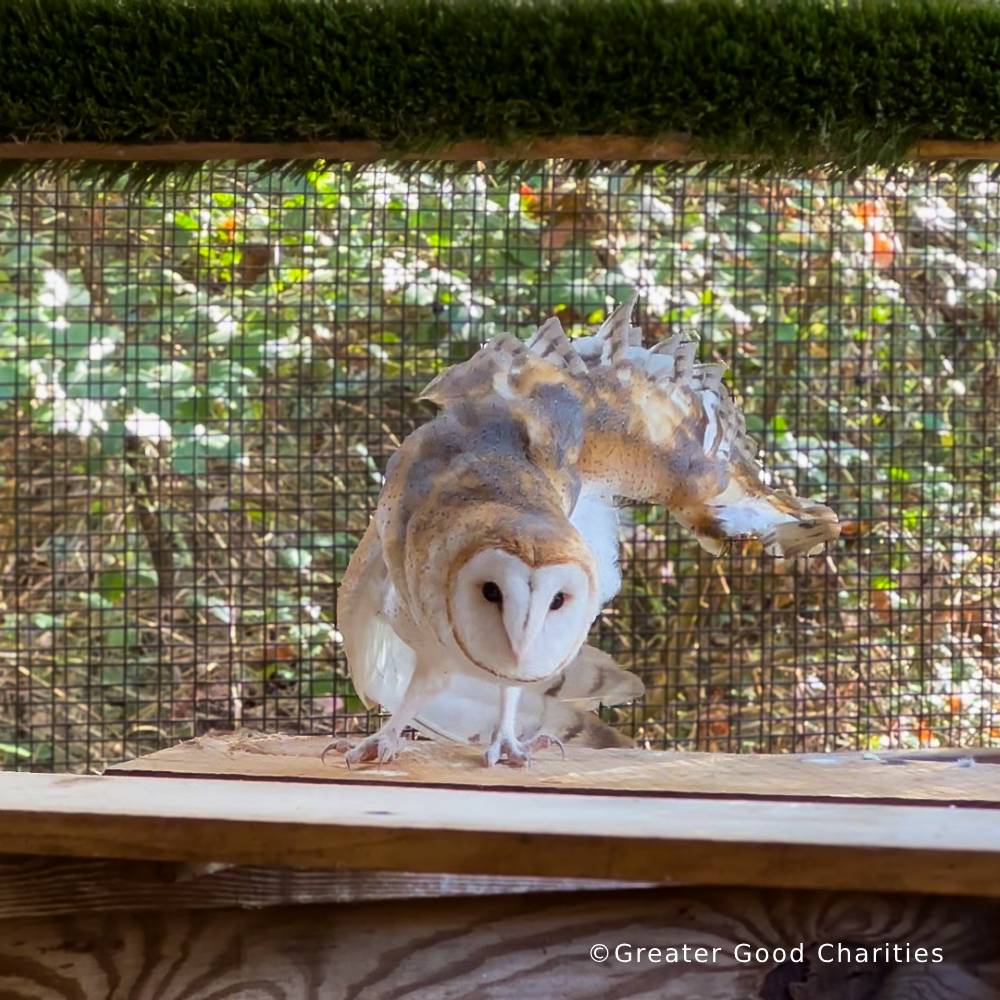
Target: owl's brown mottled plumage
657,426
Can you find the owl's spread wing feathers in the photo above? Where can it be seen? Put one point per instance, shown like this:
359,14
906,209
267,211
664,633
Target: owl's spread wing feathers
658,426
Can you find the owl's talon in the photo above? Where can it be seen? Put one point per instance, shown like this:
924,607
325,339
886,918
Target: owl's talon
514,753
544,740
379,748
340,745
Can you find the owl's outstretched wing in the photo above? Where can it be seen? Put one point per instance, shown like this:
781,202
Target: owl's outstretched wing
659,427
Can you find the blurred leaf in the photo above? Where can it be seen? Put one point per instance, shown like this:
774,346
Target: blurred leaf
120,638
111,585
14,380
295,558
195,446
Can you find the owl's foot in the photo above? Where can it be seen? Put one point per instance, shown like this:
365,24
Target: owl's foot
380,748
516,753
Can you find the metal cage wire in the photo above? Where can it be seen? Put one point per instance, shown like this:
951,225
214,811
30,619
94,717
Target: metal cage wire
201,381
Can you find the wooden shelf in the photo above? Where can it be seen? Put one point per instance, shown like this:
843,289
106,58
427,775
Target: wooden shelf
559,819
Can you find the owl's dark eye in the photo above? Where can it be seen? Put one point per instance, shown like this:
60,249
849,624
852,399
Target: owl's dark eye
558,601
492,593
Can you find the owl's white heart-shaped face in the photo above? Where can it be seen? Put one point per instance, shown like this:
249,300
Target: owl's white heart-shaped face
519,622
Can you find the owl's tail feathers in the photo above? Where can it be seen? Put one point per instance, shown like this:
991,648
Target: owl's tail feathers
468,710
567,703
575,726
593,679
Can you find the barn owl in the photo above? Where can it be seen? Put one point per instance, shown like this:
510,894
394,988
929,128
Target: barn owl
465,609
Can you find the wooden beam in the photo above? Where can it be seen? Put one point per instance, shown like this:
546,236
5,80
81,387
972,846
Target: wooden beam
893,778
535,947
671,148
610,147
935,849
954,149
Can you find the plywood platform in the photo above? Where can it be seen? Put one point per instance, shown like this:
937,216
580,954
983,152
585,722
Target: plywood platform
922,777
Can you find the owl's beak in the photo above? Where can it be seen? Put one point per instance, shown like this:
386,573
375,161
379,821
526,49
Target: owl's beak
521,634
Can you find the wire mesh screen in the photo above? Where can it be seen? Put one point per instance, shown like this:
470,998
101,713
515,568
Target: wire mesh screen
200,384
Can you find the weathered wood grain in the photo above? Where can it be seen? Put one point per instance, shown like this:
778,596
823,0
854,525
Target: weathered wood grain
531,948
529,834
45,887
799,777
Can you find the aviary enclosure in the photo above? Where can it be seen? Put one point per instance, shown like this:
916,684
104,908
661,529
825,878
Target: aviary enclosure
238,238
201,380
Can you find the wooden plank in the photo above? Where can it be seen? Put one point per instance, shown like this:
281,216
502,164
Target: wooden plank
530,834
956,149
803,777
610,147
672,148
532,948
46,887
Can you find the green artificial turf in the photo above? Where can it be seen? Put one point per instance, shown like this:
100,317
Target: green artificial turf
785,82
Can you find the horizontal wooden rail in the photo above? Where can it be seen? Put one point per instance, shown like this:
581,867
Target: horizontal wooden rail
933,849
676,148
359,151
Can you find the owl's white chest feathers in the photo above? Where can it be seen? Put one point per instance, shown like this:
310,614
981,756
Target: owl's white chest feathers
595,516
